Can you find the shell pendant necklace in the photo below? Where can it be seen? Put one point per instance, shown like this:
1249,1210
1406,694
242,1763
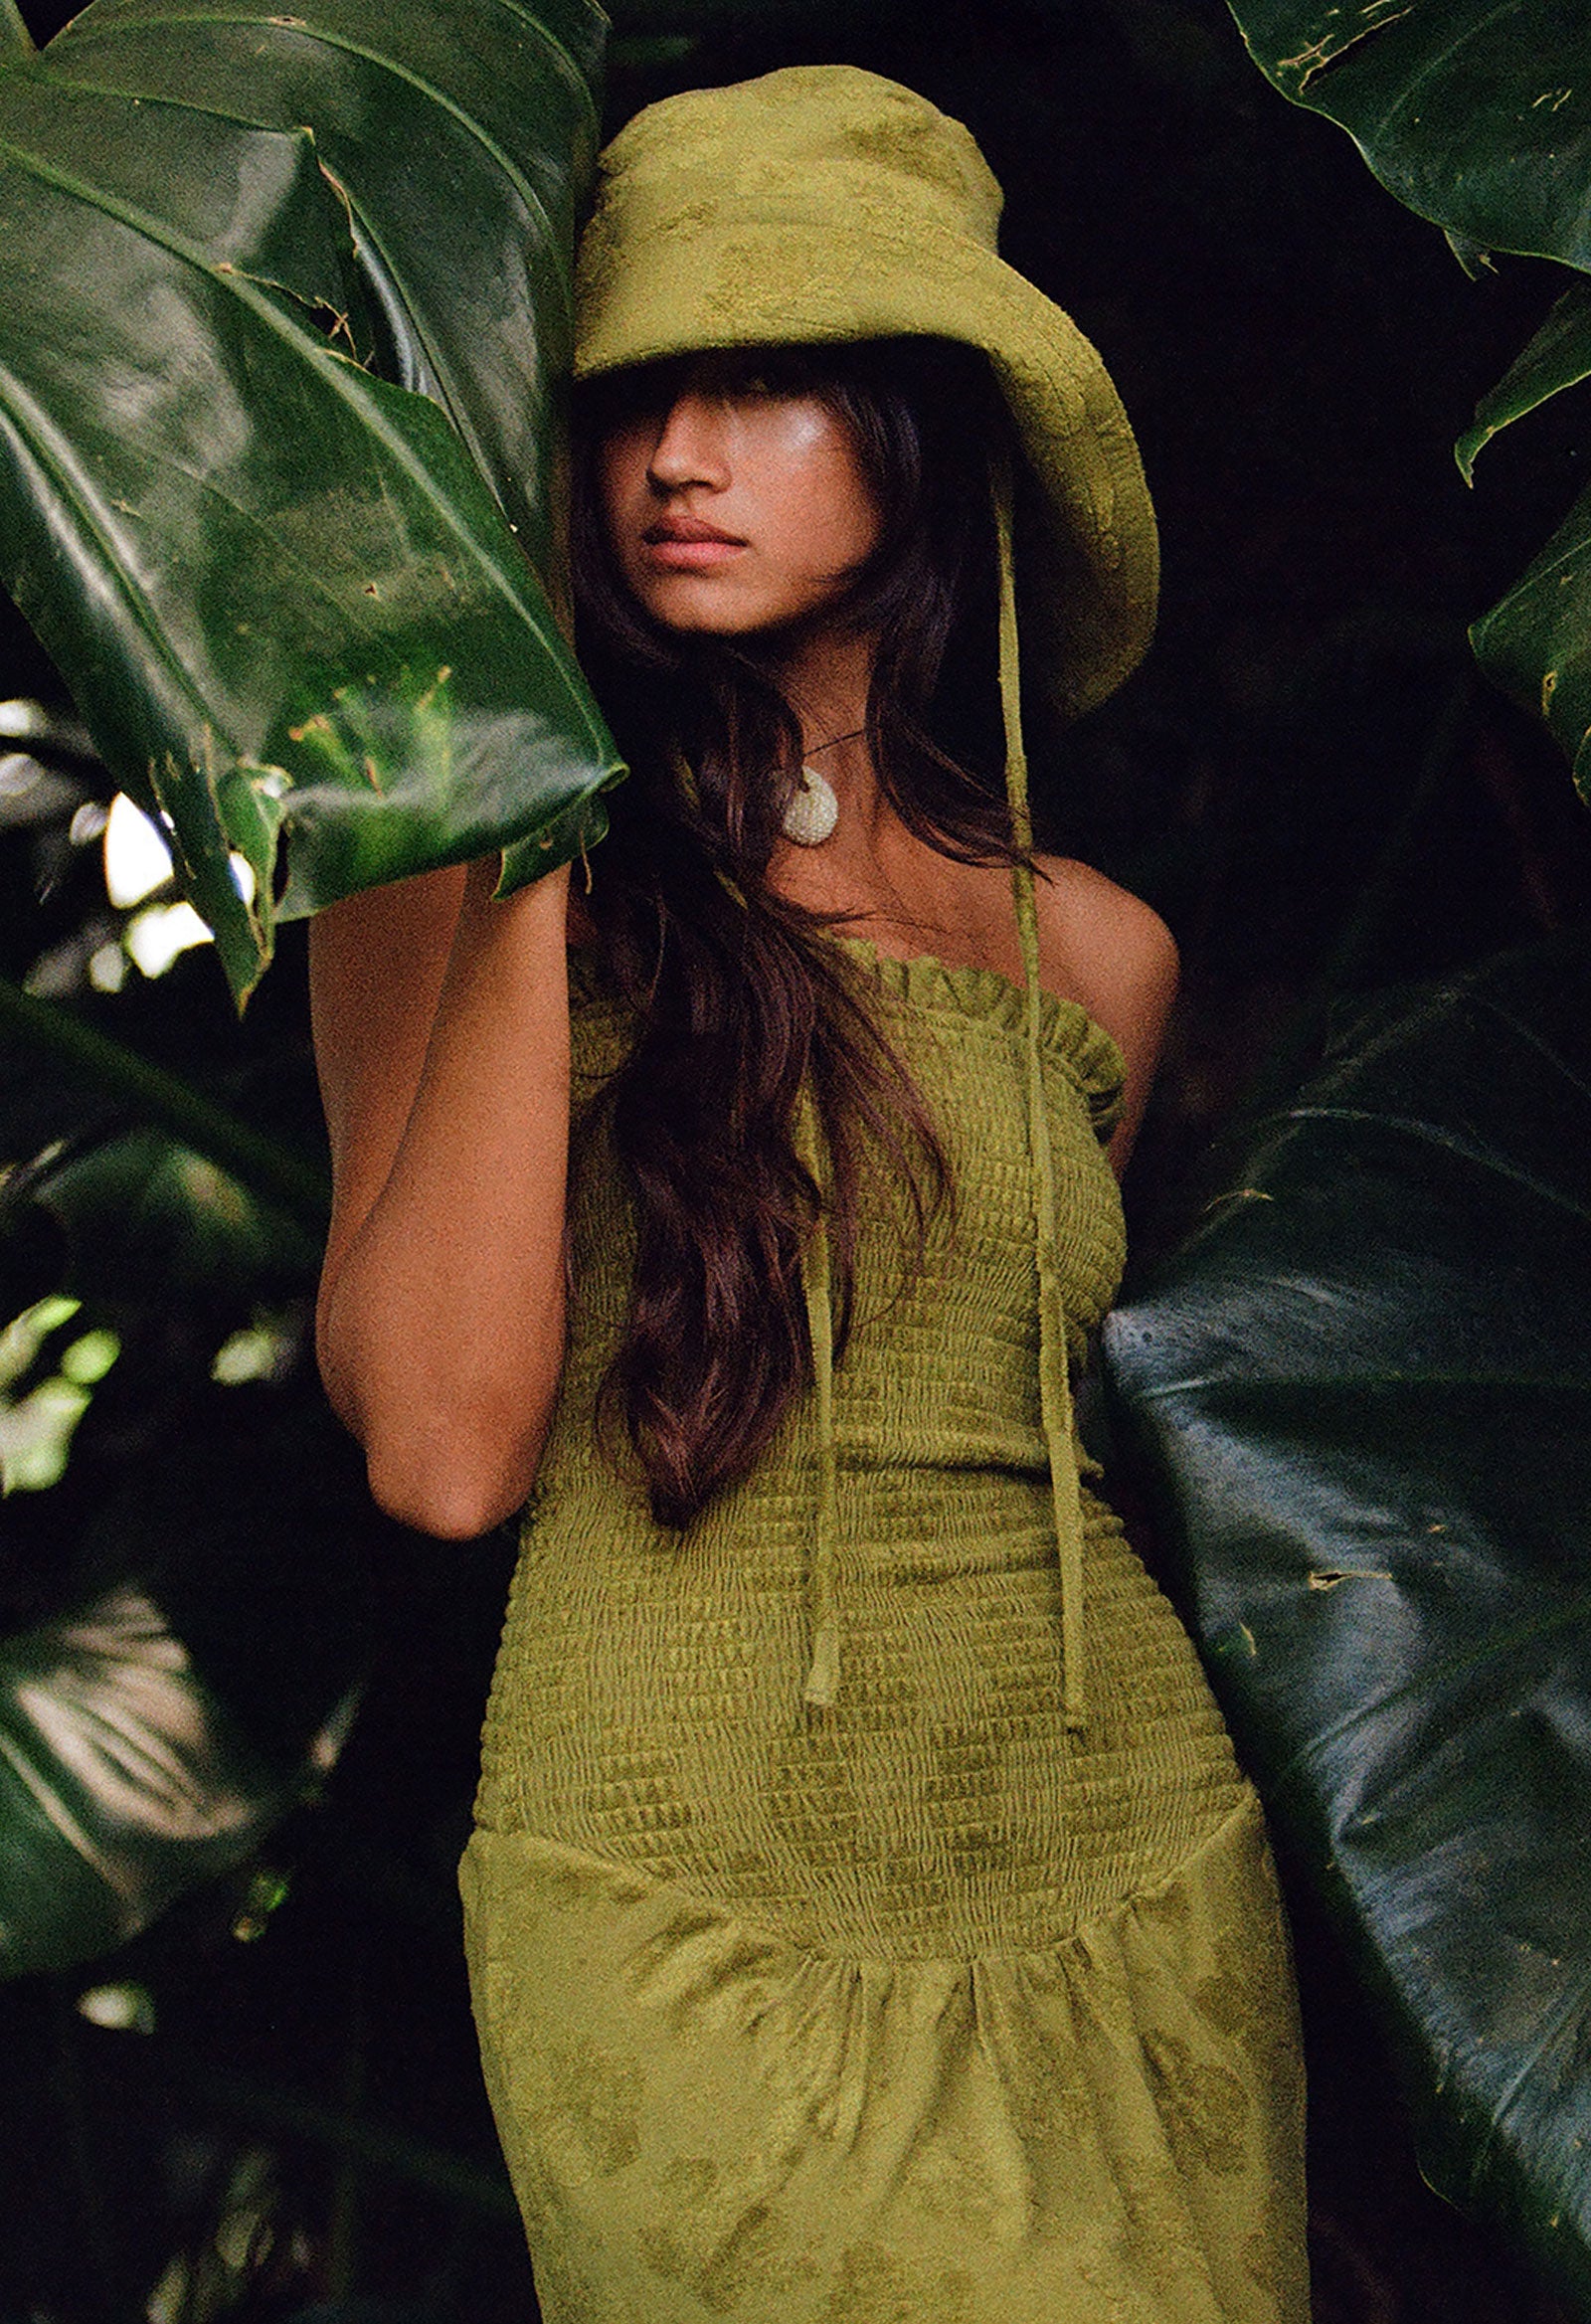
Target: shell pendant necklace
814,808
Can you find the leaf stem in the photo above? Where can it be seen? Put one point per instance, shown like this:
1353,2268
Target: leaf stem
268,1169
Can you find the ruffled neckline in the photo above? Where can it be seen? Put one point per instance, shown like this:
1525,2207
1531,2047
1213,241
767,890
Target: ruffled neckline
963,990
967,989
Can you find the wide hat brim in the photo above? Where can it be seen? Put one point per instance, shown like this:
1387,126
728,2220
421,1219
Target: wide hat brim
733,274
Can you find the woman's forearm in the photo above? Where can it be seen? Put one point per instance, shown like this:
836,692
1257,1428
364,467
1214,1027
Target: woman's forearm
441,1314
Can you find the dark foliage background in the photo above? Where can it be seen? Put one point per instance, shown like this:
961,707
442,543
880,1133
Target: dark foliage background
1306,777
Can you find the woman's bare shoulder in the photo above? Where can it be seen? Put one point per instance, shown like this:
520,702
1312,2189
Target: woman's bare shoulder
1106,947
1110,947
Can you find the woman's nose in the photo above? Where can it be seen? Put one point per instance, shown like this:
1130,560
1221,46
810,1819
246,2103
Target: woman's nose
690,448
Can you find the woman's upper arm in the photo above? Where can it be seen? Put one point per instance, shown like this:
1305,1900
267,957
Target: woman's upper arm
376,966
1114,953
441,1030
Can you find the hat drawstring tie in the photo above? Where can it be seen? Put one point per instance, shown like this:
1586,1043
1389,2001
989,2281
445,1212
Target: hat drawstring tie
1055,1389
822,1677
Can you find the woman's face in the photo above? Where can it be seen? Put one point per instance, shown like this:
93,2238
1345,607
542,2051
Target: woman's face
734,496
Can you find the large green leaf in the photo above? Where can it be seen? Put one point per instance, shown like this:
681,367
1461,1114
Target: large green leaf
1537,642
291,595
461,138
1364,1393
1558,357
152,1734
1474,113
122,1182
122,1781
86,1080
154,1731
143,1217
1478,114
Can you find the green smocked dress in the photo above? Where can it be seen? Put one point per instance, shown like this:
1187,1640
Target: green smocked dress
921,2006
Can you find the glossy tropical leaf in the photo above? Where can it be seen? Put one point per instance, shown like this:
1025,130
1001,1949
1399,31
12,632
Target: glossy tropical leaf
1536,643
1558,357
1474,113
485,105
120,1181
152,1734
289,594
144,1219
1363,1392
1478,114
63,1078
154,1731
122,1781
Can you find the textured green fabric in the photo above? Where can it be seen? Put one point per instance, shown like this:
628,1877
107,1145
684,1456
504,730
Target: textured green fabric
822,203
917,2008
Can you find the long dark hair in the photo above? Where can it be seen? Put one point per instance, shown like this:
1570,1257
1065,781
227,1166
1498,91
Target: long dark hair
740,1003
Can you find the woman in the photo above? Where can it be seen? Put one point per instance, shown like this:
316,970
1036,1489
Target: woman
868,1920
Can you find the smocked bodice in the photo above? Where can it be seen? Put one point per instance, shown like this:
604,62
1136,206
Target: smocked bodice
941,1365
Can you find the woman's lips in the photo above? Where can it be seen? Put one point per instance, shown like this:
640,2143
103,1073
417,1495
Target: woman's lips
688,545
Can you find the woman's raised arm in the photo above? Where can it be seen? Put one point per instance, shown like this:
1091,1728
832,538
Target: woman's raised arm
442,1037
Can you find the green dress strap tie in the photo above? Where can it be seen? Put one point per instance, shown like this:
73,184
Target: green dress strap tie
822,1677
1055,1389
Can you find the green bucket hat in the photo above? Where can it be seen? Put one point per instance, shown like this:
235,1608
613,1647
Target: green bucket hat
822,203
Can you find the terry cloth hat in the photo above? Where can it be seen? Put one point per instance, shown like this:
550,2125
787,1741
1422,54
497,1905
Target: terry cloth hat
822,203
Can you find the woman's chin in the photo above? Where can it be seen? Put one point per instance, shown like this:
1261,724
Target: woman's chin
721,604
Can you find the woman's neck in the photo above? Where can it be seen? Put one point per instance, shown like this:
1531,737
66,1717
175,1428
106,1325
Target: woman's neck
827,680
